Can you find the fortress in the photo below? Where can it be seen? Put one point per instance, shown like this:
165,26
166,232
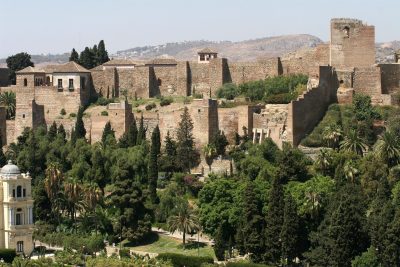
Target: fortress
336,71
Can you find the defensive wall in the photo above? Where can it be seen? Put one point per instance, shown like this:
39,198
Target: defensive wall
4,76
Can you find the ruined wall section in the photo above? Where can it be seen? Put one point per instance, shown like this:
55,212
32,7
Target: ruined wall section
368,81
305,112
390,77
232,121
352,43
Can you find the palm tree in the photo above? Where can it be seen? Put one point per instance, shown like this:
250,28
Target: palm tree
184,221
387,148
332,135
209,154
53,180
73,195
92,195
353,143
350,171
8,100
323,161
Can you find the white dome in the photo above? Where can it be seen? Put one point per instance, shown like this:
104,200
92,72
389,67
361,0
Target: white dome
10,169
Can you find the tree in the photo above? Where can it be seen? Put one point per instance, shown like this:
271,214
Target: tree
363,108
18,62
187,155
168,160
274,221
323,162
290,234
353,143
141,135
52,184
292,164
3,160
108,132
219,244
387,148
52,133
209,154
74,56
61,132
86,58
8,100
153,163
185,221
220,142
80,130
332,135
73,195
102,54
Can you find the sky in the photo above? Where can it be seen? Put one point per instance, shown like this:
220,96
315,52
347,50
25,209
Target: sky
57,26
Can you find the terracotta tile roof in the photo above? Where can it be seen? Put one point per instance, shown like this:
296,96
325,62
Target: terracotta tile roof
162,61
207,50
30,70
70,67
100,67
120,62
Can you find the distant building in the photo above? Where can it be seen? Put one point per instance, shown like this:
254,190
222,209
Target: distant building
16,217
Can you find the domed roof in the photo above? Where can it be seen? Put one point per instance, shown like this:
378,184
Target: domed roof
10,169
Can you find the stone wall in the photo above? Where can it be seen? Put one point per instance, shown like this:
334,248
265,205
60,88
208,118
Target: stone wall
3,125
241,72
4,77
390,77
305,112
368,81
352,43
10,132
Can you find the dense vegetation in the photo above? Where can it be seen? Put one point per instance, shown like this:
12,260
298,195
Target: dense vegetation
91,57
274,90
279,206
18,62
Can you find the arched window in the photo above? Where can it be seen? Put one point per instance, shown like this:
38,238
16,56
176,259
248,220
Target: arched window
25,82
19,191
346,31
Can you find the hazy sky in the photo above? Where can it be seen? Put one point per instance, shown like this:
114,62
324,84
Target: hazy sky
55,26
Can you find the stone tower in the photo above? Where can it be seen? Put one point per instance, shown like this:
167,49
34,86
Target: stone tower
16,217
352,43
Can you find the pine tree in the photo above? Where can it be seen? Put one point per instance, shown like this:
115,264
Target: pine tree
390,256
220,142
290,234
80,130
252,224
187,155
153,164
107,133
61,131
220,244
52,133
3,160
74,56
168,158
86,58
102,54
274,221
141,136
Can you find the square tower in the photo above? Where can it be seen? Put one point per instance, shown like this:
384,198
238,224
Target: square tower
352,43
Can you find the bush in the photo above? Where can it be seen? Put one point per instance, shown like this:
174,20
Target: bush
73,241
63,112
280,98
228,91
179,260
125,253
101,101
72,115
244,264
197,96
165,101
151,106
7,254
104,113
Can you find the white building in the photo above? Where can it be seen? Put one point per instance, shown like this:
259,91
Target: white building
16,217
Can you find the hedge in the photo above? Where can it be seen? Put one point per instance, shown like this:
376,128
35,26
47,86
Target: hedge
245,264
7,255
179,260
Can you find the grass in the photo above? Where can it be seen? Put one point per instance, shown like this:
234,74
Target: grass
165,244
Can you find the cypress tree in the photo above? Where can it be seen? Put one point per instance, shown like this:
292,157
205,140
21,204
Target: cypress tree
61,131
80,130
52,133
153,163
187,155
220,244
220,142
102,54
108,131
168,158
274,221
3,160
74,56
86,58
141,135
290,234
73,136
132,133
95,59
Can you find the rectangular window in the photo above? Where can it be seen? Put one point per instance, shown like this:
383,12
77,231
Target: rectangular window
71,84
60,86
20,246
18,219
202,57
24,192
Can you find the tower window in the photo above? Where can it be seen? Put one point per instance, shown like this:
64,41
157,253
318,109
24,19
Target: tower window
159,82
24,192
13,193
59,84
23,116
25,82
19,191
346,31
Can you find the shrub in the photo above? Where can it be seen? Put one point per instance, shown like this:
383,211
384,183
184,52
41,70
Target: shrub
280,98
101,101
7,254
228,91
197,96
151,106
72,115
104,113
125,253
179,260
63,112
244,264
165,101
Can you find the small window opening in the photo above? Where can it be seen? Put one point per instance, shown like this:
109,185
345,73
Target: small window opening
346,31
25,82
159,82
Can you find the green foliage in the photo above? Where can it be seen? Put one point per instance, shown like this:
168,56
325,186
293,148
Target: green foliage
245,264
165,101
74,56
104,113
219,244
80,131
150,106
220,142
108,133
228,91
179,260
126,262
18,62
292,164
153,163
7,255
368,258
363,108
8,100
101,101
125,253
